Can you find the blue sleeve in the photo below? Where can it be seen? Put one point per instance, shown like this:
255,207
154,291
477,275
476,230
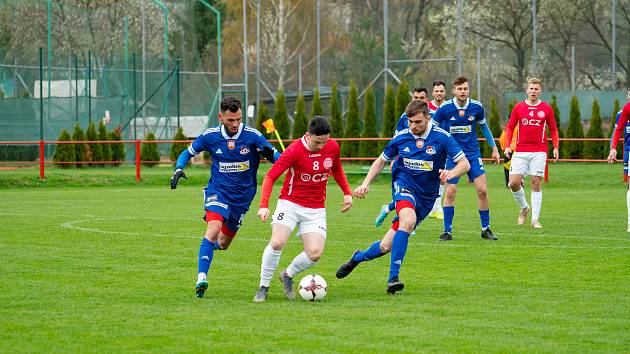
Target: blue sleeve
391,151
453,150
266,149
485,130
437,117
194,149
183,159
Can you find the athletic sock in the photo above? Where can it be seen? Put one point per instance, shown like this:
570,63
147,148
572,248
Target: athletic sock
399,249
484,215
391,206
374,251
268,265
536,205
449,213
300,263
519,196
206,251
437,206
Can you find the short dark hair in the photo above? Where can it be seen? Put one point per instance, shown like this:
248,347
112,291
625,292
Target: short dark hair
319,126
416,107
438,83
460,80
231,103
420,89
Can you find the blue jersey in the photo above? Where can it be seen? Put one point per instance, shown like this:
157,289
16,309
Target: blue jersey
235,161
462,122
626,132
420,159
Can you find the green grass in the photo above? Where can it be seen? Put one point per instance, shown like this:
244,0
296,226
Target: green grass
112,269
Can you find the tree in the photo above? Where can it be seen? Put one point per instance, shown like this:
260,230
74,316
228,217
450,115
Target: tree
369,148
389,116
493,123
118,149
149,153
280,117
402,99
300,122
64,152
177,148
595,149
336,121
262,115
556,113
575,130
95,153
103,136
351,148
80,149
316,106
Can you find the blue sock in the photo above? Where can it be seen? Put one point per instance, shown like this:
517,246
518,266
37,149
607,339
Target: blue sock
392,206
399,249
449,212
206,251
484,215
374,251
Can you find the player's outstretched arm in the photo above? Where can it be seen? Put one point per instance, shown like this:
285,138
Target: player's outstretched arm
182,160
375,169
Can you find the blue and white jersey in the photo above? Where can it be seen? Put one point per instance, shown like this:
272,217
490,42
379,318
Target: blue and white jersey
626,132
462,122
235,160
418,159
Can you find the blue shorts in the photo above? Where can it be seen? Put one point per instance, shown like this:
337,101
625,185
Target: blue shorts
476,169
233,215
423,205
625,161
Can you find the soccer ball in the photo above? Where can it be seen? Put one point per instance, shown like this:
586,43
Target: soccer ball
313,287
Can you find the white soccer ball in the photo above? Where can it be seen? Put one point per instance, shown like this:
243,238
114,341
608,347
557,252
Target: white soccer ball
313,287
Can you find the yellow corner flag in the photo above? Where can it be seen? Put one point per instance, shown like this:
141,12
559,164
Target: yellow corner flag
271,128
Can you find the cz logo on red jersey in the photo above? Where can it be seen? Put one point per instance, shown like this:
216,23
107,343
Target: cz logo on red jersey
317,177
533,122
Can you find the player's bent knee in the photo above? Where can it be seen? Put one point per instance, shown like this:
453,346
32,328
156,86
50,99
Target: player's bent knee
276,245
385,247
482,193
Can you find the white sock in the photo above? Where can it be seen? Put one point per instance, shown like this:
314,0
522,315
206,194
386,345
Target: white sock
200,277
437,206
300,263
628,203
268,265
519,196
536,205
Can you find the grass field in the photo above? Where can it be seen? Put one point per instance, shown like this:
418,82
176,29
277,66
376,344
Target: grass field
112,269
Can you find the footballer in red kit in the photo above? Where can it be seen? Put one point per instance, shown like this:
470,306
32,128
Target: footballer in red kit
532,117
623,121
309,162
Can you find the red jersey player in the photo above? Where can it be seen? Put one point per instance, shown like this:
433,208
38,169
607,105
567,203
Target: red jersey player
531,116
310,161
624,118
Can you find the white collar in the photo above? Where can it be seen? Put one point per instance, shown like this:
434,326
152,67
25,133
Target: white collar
458,107
226,136
533,105
426,132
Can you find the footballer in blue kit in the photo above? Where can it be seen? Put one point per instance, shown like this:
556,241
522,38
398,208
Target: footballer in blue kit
235,149
419,154
460,116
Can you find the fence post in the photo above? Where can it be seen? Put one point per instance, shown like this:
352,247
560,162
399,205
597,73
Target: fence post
42,157
137,160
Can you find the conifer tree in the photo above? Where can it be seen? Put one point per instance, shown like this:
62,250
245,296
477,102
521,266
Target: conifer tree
118,149
64,152
351,148
316,107
177,148
80,149
300,122
95,153
389,116
556,114
103,136
262,114
595,149
575,129
369,148
281,118
402,99
149,153
336,121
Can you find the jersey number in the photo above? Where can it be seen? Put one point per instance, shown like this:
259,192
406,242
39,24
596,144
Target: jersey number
531,113
315,165
280,216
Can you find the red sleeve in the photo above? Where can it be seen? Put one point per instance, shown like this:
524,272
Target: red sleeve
340,176
553,128
282,164
509,128
621,124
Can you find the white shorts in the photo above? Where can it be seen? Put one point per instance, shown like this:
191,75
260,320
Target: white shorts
528,163
310,220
